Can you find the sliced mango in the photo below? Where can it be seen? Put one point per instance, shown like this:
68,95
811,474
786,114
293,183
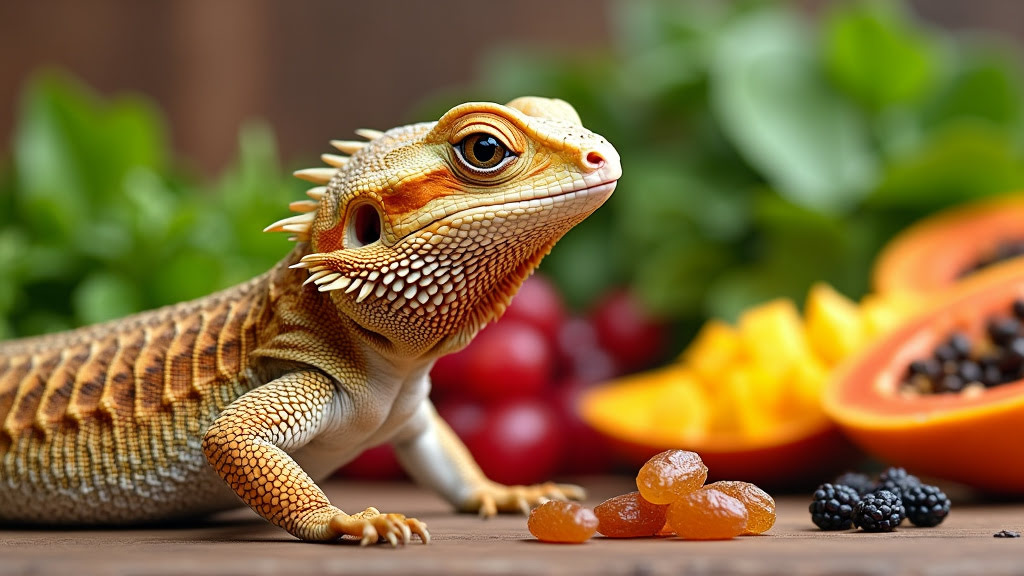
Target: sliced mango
832,323
740,407
772,335
716,348
684,403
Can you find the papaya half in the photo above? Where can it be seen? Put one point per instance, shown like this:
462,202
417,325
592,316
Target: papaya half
936,252
969,437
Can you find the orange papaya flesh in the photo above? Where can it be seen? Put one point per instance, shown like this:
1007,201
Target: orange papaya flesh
968,438
934,253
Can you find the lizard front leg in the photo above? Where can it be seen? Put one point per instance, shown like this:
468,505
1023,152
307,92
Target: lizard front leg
435,457
247,445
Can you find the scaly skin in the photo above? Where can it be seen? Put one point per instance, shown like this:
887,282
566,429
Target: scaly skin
405,251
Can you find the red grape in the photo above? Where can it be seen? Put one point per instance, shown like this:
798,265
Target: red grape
520,442
509,359
448,376
466,418
539,304
377,463
588,452
581,356
626,330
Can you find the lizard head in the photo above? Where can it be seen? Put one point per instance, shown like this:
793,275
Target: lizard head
425,232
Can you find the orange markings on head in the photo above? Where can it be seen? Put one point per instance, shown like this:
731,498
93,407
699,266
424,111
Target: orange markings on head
413,194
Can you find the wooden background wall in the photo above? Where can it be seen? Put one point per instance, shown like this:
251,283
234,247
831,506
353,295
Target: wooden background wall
316,69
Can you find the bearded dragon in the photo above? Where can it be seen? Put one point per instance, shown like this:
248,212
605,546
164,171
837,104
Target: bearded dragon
406,248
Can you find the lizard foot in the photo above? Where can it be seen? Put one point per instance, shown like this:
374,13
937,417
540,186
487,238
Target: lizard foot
371,526
494,498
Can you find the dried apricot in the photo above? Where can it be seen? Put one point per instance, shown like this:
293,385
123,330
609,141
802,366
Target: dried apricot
557,521
666,530
707,514
629,516
668,475
760,506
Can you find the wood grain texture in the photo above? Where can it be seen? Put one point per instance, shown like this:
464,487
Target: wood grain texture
464,544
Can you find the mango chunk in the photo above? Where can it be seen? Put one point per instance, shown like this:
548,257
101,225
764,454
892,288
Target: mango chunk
880,314
807,382
654,398
773,335
742,404
833,324
686,406
715,348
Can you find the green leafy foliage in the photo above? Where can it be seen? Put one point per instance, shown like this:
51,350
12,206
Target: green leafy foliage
768,96
97,222
877,55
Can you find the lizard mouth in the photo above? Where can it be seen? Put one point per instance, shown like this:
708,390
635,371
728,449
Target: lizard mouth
608,186
603,188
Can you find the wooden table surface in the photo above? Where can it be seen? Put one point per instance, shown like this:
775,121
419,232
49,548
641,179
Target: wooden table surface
240,543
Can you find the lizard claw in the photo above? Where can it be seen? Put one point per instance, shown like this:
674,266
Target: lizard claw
369,535
420,529
494,498
371,526
406,532
486,506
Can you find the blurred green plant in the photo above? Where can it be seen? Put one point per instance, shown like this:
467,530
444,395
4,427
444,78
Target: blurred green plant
764,150
97,222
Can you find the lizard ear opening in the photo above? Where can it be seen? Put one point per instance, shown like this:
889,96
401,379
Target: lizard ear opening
363,226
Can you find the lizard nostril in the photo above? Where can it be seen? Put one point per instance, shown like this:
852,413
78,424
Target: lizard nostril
594,160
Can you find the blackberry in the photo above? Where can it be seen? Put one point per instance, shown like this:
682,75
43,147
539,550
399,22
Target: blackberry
832,507
880,511
925,505
896,480
859,482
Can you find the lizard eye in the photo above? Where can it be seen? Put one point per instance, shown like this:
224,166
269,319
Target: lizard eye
482,152
363,226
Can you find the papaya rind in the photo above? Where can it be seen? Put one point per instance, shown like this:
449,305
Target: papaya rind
930,255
